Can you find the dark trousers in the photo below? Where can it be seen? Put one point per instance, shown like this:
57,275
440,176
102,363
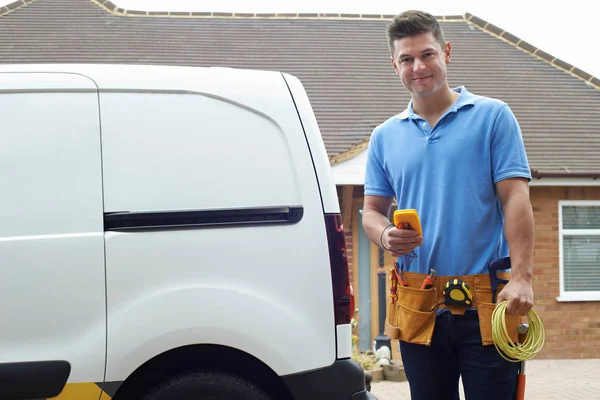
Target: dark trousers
456,350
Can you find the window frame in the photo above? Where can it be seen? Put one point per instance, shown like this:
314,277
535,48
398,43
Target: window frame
564,294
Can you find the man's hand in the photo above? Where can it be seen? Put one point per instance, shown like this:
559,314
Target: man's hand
400,241
388,237
519,297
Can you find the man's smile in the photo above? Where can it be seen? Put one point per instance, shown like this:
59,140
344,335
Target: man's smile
422,78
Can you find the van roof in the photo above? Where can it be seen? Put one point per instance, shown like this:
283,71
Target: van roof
157,77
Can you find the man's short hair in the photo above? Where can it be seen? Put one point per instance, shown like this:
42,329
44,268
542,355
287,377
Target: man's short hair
411,23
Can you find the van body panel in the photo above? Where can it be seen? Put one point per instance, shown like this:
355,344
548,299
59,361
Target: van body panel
263,283
51,236
188,151
37,81
344,340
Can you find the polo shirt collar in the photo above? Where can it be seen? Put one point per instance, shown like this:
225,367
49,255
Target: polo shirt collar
465,98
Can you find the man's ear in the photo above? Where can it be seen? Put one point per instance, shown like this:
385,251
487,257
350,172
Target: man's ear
395,65
447,51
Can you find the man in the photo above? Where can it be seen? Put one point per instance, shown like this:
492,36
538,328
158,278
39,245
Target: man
459,160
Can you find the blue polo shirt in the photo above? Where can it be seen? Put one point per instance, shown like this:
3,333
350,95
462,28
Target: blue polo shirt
447,173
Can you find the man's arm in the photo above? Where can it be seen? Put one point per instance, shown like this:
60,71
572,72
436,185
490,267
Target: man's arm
519,230
375,220
377,227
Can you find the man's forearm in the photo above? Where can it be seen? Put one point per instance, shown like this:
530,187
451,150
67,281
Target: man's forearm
519,230
374,223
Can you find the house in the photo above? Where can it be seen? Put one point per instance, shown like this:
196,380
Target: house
344,64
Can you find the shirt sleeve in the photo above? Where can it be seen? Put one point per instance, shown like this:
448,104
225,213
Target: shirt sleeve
376,179
508,155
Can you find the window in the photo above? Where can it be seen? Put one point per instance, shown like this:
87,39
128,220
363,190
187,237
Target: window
579,241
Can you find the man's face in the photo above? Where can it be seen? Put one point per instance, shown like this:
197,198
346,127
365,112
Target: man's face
420,62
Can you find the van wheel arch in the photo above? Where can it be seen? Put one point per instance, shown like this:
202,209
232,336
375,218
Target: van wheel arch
201,357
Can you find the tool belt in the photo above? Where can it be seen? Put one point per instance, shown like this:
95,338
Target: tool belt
412,312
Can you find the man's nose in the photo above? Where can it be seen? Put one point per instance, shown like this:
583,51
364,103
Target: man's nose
418,65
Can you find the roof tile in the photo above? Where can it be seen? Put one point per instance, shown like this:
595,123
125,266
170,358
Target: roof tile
137,12
526,46
581,74
510,37
564,65
477,21
544,55
453,17
494,29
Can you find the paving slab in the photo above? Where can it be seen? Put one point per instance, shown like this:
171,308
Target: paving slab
546,380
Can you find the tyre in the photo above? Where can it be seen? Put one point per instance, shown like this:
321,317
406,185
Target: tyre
206,386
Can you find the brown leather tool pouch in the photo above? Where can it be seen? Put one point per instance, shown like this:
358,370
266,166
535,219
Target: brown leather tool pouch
412,318
485,308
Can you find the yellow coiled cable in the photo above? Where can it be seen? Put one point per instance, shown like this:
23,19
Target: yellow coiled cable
509,350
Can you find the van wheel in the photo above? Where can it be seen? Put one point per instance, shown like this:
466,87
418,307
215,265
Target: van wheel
206,386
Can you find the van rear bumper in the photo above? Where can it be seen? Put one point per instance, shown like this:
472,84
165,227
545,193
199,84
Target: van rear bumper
342,380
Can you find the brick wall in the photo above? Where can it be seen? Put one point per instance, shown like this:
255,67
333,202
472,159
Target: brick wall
573,328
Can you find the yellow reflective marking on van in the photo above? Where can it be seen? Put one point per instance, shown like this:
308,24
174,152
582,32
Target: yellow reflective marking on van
81,391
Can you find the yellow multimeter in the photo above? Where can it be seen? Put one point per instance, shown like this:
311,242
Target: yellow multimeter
408,219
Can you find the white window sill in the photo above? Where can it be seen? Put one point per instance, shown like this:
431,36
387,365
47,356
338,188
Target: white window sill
579,296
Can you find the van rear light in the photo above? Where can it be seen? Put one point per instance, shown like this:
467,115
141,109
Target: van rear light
343,297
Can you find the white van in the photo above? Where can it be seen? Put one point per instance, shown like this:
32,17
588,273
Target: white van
169,233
